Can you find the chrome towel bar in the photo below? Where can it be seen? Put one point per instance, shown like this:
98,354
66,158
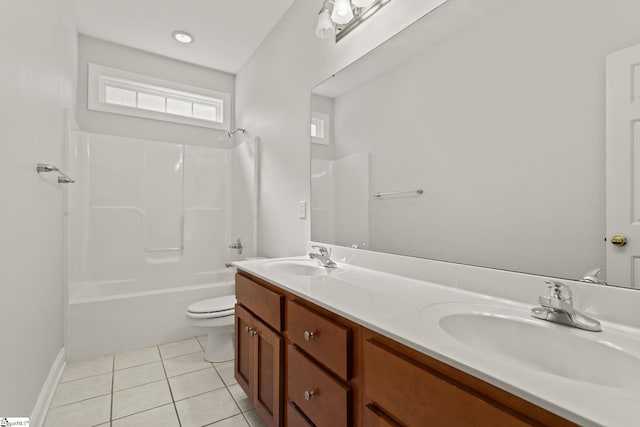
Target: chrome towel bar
63,178
419,191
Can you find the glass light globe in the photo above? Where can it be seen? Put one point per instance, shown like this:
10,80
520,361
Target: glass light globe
362,3
325,28
342,12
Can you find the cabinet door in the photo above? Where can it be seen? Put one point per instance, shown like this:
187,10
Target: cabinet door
267,368
374,417
244,365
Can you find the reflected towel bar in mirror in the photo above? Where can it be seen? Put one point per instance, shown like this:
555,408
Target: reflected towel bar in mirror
419,191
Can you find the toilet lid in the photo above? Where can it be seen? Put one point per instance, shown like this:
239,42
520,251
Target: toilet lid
219,305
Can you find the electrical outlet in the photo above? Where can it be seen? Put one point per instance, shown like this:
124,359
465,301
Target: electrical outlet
302,209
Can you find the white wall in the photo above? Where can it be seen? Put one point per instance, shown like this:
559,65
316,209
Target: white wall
272,101
37,82
503,126
137,61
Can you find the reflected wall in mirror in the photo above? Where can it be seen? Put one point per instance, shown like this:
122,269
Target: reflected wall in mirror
496,109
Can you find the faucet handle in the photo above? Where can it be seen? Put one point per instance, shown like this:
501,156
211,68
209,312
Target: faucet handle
559,290
323,251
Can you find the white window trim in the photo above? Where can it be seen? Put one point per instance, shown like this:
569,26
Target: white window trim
325,121
99,74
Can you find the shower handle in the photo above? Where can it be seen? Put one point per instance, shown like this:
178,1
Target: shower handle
237,245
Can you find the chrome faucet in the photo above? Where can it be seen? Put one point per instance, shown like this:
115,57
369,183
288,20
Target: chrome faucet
323,257
558,308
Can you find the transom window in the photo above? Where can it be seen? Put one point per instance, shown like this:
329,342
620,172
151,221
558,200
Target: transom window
122,92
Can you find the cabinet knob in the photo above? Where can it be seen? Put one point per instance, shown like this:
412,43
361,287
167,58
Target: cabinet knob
309,335
247,329
250,331
309,394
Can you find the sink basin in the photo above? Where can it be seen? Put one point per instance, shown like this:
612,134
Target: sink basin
604,358
299,267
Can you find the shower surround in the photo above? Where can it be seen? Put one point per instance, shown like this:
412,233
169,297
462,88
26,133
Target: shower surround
148,229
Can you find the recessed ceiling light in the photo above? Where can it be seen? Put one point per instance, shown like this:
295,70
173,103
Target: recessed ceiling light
183,37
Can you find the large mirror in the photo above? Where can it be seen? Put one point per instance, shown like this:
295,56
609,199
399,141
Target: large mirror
478,136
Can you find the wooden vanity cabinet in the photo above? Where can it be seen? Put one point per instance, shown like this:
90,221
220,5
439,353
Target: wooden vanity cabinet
403,387
259,347
322,373
303,365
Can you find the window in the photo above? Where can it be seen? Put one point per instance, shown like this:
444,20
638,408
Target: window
122,92
320,128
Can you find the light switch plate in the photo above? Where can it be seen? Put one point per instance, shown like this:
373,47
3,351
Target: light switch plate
302,209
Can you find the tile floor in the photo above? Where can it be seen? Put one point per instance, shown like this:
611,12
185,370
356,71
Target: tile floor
170,385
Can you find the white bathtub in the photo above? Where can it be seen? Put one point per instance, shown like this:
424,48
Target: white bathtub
109,317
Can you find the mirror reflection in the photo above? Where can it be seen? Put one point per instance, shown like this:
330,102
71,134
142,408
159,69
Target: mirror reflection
479,135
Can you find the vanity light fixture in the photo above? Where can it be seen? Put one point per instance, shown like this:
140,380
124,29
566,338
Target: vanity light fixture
340,17
183,36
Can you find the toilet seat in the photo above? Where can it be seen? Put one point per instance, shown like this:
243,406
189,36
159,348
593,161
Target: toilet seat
212,308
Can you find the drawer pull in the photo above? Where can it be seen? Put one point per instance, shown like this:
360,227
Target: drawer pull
309,394
308,336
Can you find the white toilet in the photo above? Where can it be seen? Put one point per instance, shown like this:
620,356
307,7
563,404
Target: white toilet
217,315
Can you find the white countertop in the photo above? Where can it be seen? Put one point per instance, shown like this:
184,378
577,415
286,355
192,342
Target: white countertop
394,305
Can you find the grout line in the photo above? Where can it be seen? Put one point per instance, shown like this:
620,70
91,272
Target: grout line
146,410
113,379
78,401
204,392
82,378
231,394
222,419
136,366
180,355
166,377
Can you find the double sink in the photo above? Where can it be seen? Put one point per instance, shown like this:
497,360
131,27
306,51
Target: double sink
509,335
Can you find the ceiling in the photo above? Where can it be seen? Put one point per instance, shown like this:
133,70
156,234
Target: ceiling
226,31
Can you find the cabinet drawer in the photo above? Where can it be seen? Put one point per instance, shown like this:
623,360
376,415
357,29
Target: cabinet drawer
263,302
295,417
325,340
330,403
412,393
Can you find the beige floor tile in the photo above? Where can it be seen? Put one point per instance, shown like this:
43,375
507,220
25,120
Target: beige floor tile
180,348
187,363
235,421
141,398
82,414
164,416
226,371
82,389
87,368
240,397
254,419
206,408
194,383
132,358
138,375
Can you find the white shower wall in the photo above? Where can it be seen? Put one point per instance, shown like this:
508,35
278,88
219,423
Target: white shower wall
340,194
146,215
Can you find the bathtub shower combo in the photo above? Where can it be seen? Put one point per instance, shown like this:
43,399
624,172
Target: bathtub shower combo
149,228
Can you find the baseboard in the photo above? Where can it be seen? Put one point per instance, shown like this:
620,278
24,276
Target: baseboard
39,412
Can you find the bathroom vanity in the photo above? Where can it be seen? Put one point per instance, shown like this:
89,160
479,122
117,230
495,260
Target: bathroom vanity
355,346
303,365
